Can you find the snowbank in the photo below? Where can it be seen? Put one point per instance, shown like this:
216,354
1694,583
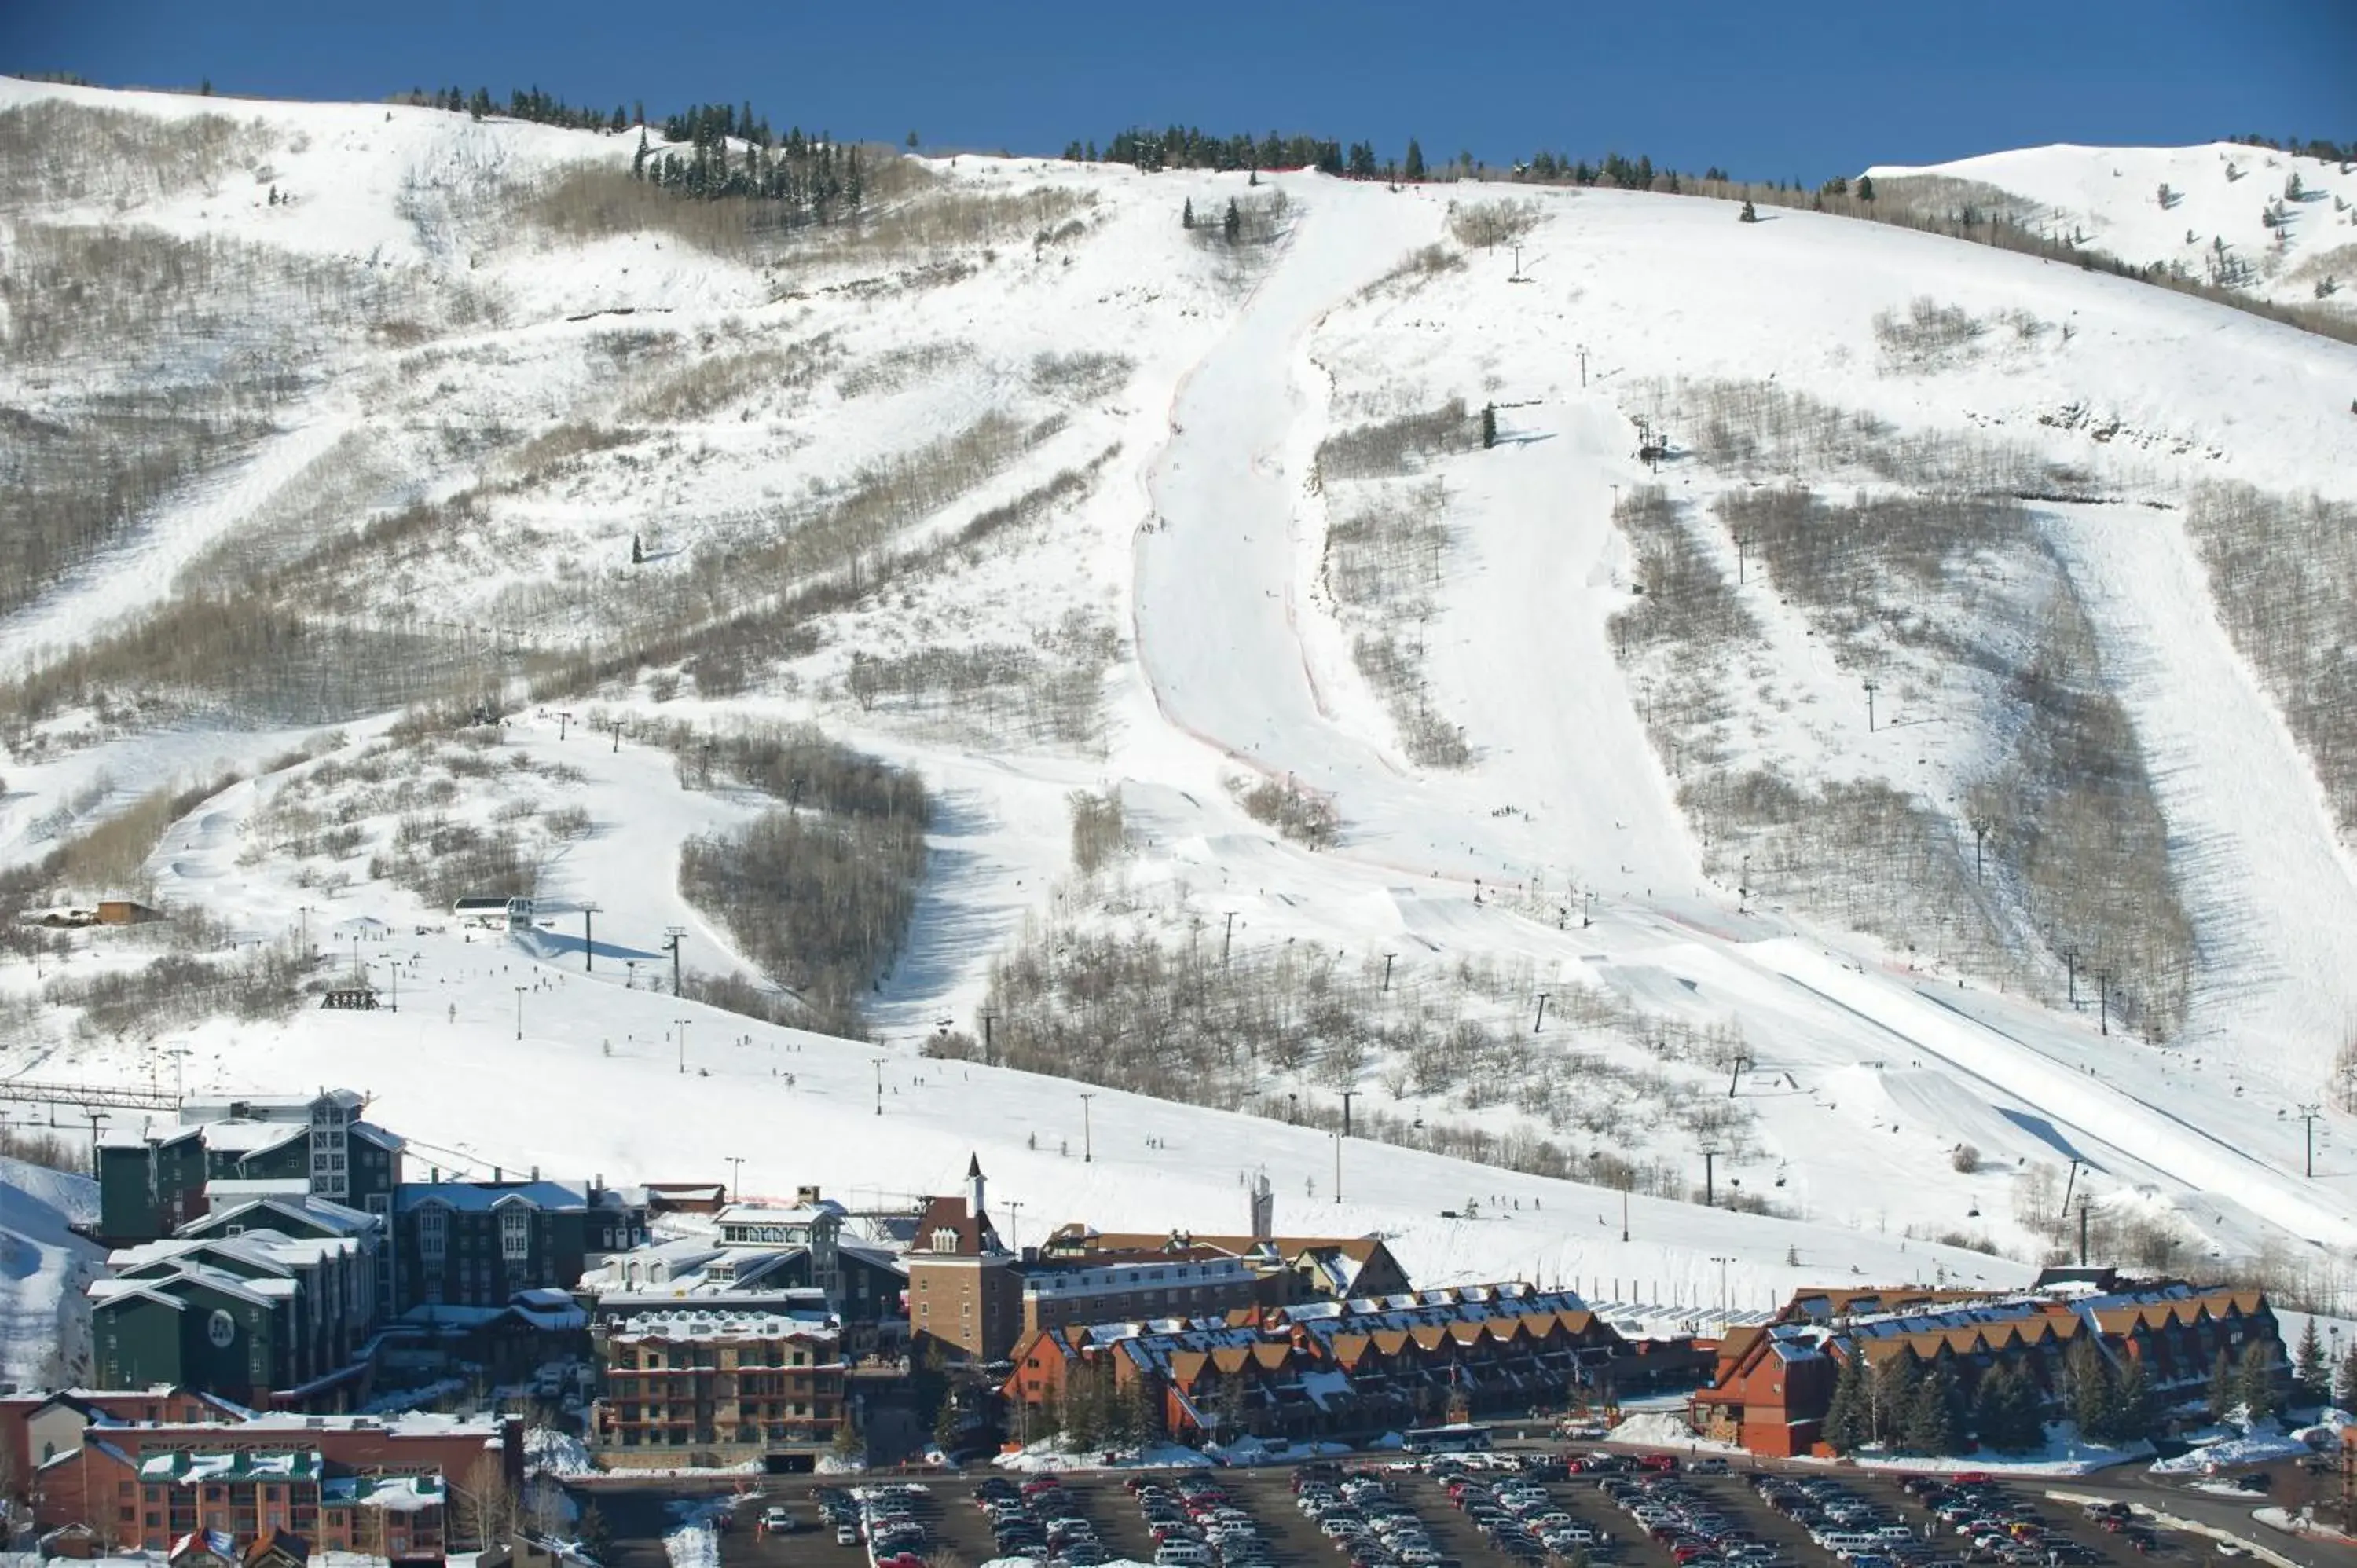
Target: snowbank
695,1541
1247,1452
1660,1429
2257,1444
1050,1455
2064,1455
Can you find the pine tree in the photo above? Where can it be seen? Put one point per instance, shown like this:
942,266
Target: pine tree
1187,214
2087,1391
1894,1395
1415,166
1750,214
638,551
2136,1407
1490,438
2309,1375
2257,1386
1846,1422
1930,1422
1866,187
1233,224
2004,1411
2224,1392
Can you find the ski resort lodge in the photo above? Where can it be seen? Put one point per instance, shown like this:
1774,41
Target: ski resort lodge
1774,1382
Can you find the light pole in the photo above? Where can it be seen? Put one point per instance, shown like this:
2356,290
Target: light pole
1014,1225
519,991
681,1025
1722,1263
735,1177
1337,1167
879,1085
1088,1144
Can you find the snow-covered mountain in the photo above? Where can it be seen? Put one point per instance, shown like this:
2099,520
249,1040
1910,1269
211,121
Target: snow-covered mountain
2280,226
1577,811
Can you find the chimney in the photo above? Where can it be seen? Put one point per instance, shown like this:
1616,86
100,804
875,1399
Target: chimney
434,1174
499,1174
806,1196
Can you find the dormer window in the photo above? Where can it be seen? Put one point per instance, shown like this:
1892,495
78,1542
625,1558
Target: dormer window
945,1239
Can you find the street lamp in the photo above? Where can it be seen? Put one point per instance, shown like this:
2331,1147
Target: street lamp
681,1025
1722,1263
1088,1143
519,991
737,1176
879,1085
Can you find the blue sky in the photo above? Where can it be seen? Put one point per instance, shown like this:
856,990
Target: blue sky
1769,92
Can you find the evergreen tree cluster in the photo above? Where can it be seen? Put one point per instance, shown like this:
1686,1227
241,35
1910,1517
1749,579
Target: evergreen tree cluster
1911,1407
1097,1413
522,104
2306,147
2248,1382
1187,147
732,153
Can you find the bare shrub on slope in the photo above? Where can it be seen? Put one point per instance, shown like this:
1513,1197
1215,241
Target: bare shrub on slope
1098,832
57,153
1394,446
1382,564
1259,1026
2283,573
711,383
2072,819
1049,691
819,891
1488,224
1758,430
1932,336
1680,630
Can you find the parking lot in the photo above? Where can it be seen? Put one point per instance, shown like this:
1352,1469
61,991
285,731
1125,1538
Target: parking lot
1487,1511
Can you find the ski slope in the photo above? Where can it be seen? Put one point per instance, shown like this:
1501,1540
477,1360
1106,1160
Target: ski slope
1197,544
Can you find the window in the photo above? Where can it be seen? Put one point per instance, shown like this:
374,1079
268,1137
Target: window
432,1233
515,1233
945,1239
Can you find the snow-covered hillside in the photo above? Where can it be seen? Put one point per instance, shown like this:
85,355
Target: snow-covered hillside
1529,792
2277,225
43,1267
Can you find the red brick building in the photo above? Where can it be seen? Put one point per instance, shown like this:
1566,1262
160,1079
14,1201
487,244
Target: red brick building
1774,1384
965,1294
105,1483
1322,1368
37,1428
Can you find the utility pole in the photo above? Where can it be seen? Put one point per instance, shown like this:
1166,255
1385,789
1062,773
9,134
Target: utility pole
1346,1096
2104,1001
2070,969
562,720
1740,1063
879,1085
672,935
1088,1140
1517,276
1709,1171
1227,937
2308,1114
1540,1022
1582,352
1337,1167
989,1052
2085,1201
1624,1211
1980,832
681,1023
588,941
1723,1306
1870,689
735,1177
1014,1225
1742,548
1387,972
519,991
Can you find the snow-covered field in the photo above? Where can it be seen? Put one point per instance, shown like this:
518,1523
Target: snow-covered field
1163,623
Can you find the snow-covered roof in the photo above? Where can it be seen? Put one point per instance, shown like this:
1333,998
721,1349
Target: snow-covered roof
476,1197
692,1323
187,1468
